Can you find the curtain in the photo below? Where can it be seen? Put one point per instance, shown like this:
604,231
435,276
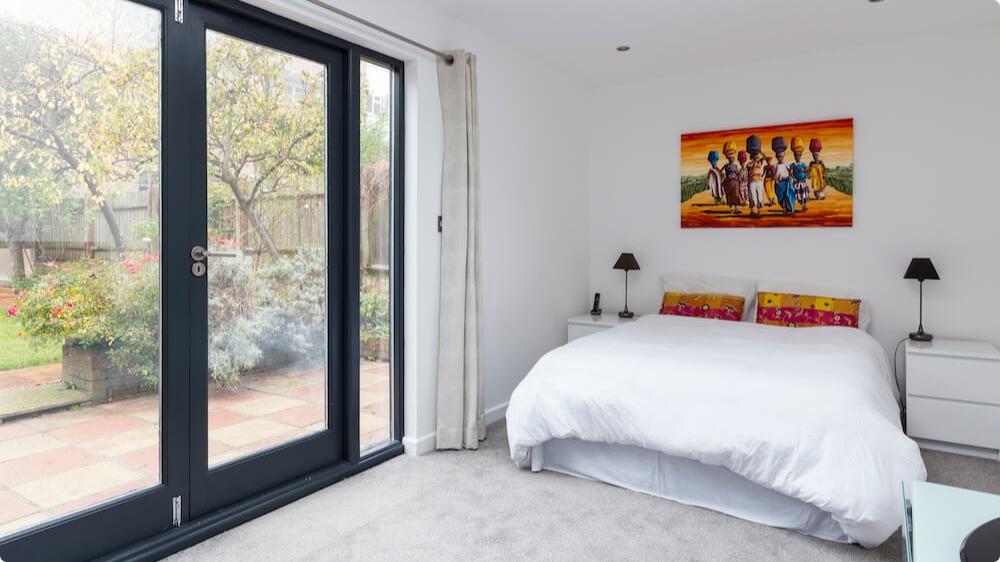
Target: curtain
460,422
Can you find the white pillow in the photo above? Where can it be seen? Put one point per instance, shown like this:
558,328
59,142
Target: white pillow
698,283
864,314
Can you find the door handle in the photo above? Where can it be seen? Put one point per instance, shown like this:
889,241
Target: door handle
199,253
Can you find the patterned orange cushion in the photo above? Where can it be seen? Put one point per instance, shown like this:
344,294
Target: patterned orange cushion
802,311
703,305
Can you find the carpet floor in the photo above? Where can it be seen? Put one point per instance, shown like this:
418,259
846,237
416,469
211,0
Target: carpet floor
475,505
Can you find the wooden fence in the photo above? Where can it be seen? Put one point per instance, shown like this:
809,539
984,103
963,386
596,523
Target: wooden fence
293,221
80,229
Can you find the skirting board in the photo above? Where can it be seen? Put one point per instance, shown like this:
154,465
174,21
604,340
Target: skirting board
967,450
496,413
424,444
416,446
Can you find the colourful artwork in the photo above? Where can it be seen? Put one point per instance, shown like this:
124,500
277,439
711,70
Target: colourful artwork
729,179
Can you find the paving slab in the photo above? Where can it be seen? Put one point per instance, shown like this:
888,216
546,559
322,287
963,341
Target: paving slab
27,400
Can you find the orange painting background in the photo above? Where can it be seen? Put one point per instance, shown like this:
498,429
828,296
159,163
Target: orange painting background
837,136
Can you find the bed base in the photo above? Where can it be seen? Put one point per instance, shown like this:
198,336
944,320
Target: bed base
685,481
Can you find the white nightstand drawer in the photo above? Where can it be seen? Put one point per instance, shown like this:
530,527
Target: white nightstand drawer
584,325
574,331
975,380
955,422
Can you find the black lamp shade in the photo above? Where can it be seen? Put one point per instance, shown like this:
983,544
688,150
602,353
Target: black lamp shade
921,269
626,262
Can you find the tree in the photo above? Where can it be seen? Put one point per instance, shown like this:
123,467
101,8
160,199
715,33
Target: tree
376,185
83,109
265,124
29,197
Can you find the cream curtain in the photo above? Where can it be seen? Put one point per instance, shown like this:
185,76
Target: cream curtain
459,390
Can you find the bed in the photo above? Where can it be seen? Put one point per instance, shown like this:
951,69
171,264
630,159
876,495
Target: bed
793,428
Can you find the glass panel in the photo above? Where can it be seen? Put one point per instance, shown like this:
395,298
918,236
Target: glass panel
376,253
79,256
267,216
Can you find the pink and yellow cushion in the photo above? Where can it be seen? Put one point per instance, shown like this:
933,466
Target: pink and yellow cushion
803,311
703,305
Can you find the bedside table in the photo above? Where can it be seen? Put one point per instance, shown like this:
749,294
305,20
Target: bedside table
953,396
942,517
584,325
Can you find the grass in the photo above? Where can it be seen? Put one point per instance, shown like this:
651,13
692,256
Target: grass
17,351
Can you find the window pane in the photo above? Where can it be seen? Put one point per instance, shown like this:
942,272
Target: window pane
267,221
376,253
79,256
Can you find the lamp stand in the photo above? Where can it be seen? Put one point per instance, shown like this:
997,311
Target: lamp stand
626,313
920,335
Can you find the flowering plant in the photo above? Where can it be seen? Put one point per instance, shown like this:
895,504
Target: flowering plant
69,302
98,304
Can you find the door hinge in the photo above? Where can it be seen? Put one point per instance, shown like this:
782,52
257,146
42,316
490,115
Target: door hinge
179,11
177,511
440,225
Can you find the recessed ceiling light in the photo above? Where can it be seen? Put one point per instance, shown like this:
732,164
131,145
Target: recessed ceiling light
623,48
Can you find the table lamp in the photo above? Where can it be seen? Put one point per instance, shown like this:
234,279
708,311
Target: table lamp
921,269
627,263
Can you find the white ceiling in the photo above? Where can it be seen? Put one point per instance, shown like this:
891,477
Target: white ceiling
677,36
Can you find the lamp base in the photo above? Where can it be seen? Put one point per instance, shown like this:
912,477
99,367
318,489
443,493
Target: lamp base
983,544
626,314
921,336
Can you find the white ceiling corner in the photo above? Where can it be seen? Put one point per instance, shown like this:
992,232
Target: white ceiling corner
677,36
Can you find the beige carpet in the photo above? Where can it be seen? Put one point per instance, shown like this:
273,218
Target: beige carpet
478,506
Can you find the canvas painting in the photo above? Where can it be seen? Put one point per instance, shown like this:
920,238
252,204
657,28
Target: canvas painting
797,175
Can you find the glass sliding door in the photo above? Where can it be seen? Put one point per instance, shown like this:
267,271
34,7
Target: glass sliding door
378,83
267,290
267,339
79,232
86,392
200,269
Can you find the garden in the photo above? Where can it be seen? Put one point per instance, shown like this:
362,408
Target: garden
107,313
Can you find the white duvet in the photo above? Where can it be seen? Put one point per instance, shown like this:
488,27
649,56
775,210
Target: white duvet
807,412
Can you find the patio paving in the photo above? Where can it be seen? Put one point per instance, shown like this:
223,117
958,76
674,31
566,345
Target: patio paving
55,463
22,401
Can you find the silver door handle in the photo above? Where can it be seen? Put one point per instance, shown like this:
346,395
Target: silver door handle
198,253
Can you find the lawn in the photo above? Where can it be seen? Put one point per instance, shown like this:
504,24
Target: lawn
17,351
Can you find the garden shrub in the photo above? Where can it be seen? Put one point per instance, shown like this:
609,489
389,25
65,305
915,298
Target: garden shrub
277,311
233,327
291,302
133,336
375,321
99,304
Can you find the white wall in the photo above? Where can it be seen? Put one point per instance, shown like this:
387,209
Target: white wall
533,202
927,139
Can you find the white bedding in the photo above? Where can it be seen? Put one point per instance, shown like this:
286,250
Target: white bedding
809,412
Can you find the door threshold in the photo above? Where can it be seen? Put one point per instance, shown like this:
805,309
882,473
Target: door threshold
193,532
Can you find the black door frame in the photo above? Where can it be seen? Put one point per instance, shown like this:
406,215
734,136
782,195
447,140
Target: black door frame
139,526
87,533
220,486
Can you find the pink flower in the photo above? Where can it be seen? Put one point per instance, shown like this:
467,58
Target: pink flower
69,304
131,266
57,310
12,311
150,257
222,241
20,295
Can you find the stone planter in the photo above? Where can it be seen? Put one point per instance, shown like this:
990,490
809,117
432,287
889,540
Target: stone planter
88,369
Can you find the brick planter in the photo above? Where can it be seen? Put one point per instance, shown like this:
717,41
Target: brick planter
87,369
375,349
